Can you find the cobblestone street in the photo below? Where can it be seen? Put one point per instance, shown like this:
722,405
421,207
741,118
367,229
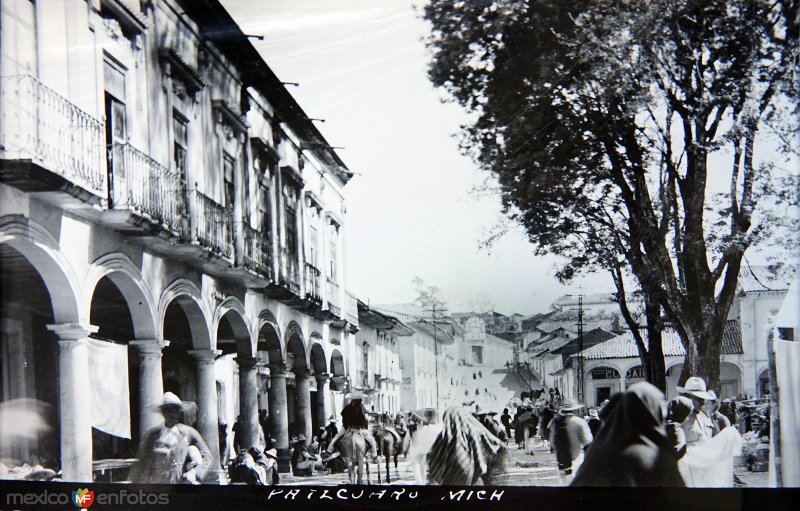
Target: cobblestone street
537,469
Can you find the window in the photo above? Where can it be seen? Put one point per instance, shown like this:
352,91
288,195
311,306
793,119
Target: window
227,169
116,138
180,133
116,130
291,227
313,244
264,217
332,251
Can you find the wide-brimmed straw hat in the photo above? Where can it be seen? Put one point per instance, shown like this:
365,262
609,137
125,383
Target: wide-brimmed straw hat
300,438
271,453
480,411
695,386
172,401
332,419
570,405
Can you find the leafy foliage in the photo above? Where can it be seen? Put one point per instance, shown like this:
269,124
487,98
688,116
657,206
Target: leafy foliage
624,136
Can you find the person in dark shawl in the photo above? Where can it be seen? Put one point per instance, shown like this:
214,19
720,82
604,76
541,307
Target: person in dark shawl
465,452
632,448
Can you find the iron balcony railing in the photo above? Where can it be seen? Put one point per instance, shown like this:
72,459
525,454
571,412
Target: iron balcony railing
290,275
41,126
313,283
257,253
144,185
212,225
351,308
334,302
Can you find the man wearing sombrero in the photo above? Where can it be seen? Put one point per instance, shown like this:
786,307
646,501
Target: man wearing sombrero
354,417
698,426
172,453
569,434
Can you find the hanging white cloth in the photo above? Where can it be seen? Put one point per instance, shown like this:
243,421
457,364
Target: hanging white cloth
787,365
110,396
709,464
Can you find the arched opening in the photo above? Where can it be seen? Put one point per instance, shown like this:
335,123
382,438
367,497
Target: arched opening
318,397
28,359
120,390
730,379
184,327
763,383
233,340
634,375
338,381
296,361
268,350
270,399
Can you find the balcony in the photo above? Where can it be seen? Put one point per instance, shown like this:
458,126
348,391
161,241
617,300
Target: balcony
212,226
144,194
287,287
48,144
334,301
313,284
257,253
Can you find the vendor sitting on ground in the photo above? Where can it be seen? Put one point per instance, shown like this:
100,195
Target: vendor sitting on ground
303,462
354,418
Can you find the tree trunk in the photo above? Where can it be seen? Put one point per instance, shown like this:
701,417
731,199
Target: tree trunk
691,362
658,376
711,354
655,371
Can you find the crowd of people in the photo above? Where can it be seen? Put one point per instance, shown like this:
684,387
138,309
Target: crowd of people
634,438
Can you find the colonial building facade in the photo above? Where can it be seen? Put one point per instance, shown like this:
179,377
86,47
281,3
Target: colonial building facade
613,365
375,368
164,198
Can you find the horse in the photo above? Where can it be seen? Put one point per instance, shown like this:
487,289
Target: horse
388,446
353,448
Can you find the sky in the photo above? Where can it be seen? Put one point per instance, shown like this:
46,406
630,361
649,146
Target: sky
411,206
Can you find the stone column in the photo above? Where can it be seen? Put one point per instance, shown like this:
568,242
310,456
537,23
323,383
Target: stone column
151,383
248,402
303,401
74,391
207,416
278,419
322,410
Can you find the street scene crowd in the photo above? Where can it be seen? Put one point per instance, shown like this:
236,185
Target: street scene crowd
635,438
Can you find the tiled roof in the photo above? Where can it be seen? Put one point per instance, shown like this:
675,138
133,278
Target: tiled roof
624,346
549,346
590,338
753,279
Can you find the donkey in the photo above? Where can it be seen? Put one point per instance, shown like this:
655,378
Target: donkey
388,445
353,448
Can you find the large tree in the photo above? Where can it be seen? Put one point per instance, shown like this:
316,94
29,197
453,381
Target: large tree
624,136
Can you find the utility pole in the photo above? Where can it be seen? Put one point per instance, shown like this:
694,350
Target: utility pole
435,352
580,348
